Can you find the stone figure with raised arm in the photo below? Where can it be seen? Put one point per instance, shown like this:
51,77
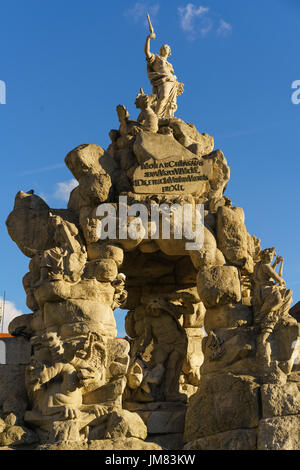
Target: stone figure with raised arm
165,85
271,299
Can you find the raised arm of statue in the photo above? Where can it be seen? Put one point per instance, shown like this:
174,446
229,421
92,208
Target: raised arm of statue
273,275
148,53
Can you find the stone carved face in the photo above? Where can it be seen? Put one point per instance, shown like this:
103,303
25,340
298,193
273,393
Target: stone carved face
134,376
53,342
142,101
165,50
88,376
267,255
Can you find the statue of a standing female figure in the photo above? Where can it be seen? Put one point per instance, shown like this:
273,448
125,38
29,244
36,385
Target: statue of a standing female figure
165,85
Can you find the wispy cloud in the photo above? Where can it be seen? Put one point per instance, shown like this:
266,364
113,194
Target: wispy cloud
188,16
139,11
64,189
200,20
10,312
206,27
224,28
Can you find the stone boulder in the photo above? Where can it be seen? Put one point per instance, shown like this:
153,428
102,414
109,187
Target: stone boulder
232,237
222,403
219,285
28,223
93,168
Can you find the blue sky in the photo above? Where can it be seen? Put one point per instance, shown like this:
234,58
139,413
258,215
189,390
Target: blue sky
67,64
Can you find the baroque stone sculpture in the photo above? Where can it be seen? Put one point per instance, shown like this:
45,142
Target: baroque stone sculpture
166,88
211,357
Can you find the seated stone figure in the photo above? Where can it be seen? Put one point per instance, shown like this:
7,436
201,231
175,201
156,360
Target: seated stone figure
67,259
271,300
56,389
270,294
127,129
147,117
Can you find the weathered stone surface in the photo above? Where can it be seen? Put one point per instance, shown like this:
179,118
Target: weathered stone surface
18,350
219,285
222,403
280,400
159,147
232,236
185,271
167,441
104,250
17,436
28,224
170,406
167,167
230,350
285,342
21,323
165,422
93,169
105,270
89,159
78,316
123,444
280,433
12,383
227,316
131,443
209,254
295,311
2,425
147,265
238,439
123,423
188,136
86,289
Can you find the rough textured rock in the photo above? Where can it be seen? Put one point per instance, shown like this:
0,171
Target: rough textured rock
93,169
79,316
222,403
17,436
280,400
158,147
219,285
28,224
131,443
238,439
230,350
280,433
232,235
227,316
167,441
170,421
123,423
188,136
123,444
